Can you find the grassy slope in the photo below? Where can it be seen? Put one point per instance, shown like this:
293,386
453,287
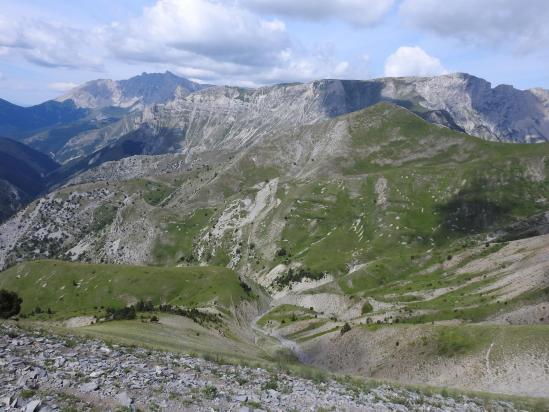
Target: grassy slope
445,192
71,289
176,334
426,198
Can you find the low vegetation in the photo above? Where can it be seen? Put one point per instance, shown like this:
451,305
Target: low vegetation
73,289
10,304
296,276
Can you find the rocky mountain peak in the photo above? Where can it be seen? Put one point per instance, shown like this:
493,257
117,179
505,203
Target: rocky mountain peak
143,90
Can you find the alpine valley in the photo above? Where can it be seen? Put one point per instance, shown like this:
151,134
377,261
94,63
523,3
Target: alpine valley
385,240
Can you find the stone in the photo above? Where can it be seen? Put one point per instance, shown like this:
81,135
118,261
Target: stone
241,398
124,399
33,406
16,402
89,387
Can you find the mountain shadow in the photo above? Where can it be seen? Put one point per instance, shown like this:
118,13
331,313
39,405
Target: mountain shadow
472,210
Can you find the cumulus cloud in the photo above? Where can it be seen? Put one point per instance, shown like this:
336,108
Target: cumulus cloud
217,42
222,32
47,44
520,24
62,86
209,40
412,61
357,12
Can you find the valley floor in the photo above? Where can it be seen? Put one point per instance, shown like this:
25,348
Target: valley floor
48,373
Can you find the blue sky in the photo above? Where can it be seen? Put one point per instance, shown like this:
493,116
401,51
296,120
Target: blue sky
48,46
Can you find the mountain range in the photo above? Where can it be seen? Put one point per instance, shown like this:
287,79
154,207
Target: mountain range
23,174
152,114
397,207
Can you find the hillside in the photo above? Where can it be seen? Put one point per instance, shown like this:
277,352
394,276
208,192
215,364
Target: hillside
231,118
18,122
151,379
410,232
71,289
23,174
369,172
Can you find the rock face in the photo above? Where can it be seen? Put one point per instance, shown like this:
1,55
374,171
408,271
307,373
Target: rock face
231,118
137,378
502,113
173,114
143,90
201,117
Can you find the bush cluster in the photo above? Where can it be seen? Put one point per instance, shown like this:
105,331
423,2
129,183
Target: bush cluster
10,304
367,308
128,313
194,314
245,286
142,306
296,276
345,328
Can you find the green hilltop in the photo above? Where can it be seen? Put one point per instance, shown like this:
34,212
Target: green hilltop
71,289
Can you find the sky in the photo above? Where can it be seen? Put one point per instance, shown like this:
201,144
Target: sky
50,46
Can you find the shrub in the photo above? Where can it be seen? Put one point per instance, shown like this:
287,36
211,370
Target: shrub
345,328
245,287
154,318
142,306
281,252
296,276
10,304
367,308
120,314
271,384
194,314
27,393
209,391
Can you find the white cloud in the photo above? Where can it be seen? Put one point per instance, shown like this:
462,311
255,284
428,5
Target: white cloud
495,23
218,42
62,86
412,61
178,29
357,12
47,44
210,40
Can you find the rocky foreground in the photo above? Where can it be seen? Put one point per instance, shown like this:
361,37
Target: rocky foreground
50,373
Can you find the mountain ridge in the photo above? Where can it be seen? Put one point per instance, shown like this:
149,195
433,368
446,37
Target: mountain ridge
135,92
204,115
23,174
372,235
